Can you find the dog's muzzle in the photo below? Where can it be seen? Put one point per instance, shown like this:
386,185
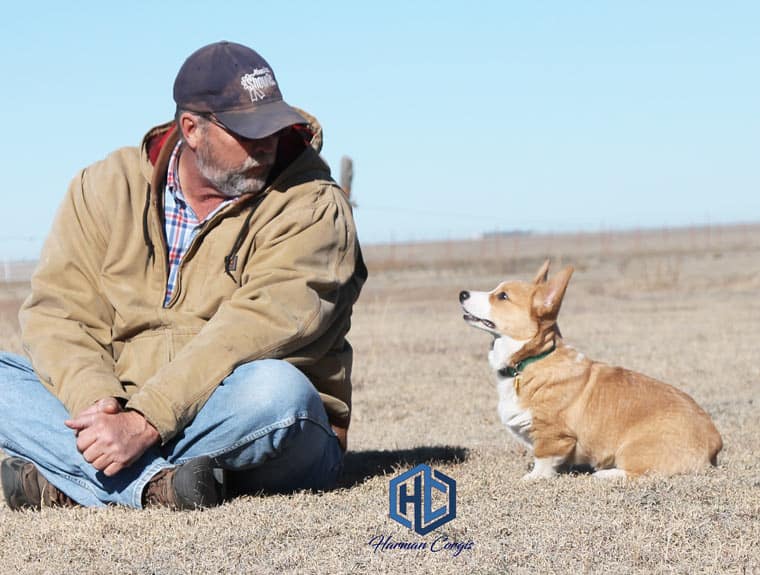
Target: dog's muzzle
468,317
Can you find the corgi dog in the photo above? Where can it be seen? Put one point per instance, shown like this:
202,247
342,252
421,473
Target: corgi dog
570,410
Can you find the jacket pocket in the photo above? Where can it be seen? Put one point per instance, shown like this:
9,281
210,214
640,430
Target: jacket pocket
179,338
143,356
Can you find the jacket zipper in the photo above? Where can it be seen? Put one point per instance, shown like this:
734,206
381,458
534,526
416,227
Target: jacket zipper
160,251
206,227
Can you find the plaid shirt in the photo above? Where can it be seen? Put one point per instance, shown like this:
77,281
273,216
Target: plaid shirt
181,223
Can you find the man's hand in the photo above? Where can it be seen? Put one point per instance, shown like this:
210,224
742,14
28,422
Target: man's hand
112,439
105,405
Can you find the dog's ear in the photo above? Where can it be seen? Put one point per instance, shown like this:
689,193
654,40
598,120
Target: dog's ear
542,273
548,297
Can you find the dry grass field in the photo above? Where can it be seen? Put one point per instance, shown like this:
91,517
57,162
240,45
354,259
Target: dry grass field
681,306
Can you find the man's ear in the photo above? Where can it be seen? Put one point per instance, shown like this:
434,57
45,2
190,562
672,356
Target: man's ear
189,125
542,273
548,297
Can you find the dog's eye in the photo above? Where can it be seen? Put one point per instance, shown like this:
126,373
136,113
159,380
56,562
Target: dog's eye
502,295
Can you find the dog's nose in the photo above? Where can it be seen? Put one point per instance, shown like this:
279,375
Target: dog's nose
463,295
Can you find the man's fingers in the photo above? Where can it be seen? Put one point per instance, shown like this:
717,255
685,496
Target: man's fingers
105,405
108,463
91,453
108,405
113,469
112,442
85,440
101,462
81,422
90,456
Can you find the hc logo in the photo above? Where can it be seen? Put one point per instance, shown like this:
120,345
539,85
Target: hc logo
416,487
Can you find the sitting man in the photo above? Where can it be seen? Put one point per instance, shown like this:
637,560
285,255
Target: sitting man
187,319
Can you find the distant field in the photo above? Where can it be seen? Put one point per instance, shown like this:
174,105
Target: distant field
679,305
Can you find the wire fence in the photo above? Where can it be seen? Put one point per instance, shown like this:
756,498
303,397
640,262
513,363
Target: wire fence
524,245
511,248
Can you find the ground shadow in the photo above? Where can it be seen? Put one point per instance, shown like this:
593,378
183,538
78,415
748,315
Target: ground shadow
359,466
581,469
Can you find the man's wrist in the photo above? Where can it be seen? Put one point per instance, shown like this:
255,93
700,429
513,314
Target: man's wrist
148,431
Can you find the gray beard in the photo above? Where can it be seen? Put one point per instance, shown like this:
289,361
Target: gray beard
232,183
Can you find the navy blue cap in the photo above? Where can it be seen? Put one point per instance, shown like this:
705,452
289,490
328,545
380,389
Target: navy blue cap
237,86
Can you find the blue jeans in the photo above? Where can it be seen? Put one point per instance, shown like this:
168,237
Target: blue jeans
265,423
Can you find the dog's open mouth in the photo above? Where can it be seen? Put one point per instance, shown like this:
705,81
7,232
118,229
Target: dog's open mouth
469,318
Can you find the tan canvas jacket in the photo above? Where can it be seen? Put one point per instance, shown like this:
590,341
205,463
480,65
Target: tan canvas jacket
272,276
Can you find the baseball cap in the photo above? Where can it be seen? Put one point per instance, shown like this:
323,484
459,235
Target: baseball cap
236,85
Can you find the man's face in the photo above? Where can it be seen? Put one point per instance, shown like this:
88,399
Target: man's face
232,164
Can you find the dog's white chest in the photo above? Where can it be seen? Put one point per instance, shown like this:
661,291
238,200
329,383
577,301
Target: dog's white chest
517,419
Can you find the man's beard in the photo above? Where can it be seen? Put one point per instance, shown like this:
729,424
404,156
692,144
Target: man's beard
232,182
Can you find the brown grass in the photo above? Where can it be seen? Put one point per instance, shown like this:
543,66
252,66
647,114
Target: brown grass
678,305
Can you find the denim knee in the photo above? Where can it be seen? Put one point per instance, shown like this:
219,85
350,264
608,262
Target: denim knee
273,384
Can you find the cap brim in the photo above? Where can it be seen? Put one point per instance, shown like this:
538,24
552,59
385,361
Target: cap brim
261,121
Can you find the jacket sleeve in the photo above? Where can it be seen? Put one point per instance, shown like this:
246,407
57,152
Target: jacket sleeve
65,322
291,290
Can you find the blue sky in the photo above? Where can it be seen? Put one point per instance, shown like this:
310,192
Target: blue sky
461,117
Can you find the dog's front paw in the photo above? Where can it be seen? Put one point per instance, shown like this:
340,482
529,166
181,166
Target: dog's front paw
613,474
537,475
544,468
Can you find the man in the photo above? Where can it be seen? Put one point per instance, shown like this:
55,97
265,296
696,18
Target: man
187,320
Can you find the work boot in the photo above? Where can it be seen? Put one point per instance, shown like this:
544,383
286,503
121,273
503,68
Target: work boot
25,488
188,486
